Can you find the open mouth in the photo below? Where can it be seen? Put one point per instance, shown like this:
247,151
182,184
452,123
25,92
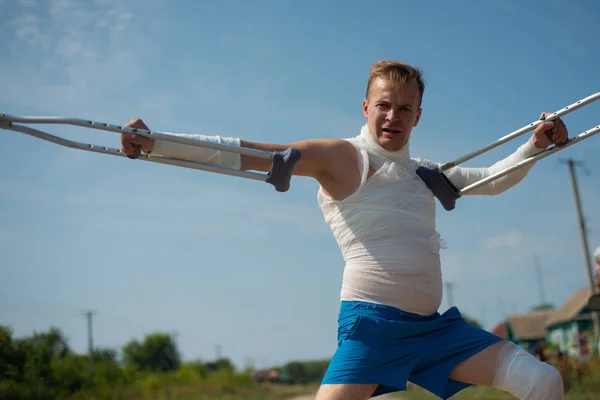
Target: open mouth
391,131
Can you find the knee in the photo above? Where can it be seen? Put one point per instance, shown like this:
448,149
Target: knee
527,378
542,381
550,382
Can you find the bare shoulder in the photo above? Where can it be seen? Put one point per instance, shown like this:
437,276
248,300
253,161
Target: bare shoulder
332,162
342,175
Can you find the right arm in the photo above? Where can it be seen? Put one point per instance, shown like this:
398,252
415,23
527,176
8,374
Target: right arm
332,162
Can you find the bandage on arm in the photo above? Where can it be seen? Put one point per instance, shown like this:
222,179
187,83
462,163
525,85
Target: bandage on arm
462,177
200,154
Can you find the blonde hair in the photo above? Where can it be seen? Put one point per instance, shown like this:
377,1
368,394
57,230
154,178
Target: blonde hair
396,72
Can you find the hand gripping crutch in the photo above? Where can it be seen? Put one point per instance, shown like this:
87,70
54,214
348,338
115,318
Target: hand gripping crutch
447,193
279,175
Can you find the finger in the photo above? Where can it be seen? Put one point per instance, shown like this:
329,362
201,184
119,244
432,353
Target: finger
547,128
130,142
562,134
133,140
137,139
137,124
561,124
128,148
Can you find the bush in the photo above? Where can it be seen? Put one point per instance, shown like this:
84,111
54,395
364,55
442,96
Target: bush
581,376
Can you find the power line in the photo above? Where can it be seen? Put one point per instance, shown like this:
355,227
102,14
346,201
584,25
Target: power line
538,270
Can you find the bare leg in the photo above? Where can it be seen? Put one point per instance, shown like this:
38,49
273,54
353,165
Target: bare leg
505,366
345,392
479,369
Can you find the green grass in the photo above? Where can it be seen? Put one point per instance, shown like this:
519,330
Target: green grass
191,391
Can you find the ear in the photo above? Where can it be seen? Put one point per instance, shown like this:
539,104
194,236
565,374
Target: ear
365,107
418,117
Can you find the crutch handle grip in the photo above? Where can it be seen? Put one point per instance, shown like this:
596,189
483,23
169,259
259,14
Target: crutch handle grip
282,168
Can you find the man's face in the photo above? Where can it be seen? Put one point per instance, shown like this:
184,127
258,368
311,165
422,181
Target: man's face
392,111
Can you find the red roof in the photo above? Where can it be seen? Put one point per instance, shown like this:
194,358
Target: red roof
501,330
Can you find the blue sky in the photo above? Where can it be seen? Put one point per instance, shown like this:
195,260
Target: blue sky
229,262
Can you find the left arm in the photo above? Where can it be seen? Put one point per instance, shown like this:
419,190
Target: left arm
462,176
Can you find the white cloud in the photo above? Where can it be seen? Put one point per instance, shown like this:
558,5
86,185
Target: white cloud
505,240
75,54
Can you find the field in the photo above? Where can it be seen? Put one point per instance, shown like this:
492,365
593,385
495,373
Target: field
42,367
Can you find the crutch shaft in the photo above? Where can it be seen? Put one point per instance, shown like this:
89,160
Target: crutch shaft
564,111
537,157
447,193
166,136
280,174
118,152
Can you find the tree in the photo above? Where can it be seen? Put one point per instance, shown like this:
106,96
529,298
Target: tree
219,365
39,366
158,352
8,356
35,354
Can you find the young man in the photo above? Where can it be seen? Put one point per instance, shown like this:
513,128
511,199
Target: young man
383,218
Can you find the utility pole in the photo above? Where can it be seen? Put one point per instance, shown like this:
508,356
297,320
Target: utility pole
449,288
538,271
584,242
89,314
175,336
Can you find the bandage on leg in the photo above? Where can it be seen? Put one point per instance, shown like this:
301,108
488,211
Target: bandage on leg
525,377
206,153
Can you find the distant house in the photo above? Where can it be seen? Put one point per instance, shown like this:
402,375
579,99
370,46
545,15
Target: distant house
566,324
524,329
563,327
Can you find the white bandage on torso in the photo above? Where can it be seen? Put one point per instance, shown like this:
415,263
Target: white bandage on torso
200,154
386,228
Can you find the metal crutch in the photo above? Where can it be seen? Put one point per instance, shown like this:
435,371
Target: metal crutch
447,193
279,175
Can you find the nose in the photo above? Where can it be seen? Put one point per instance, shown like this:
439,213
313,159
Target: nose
393,115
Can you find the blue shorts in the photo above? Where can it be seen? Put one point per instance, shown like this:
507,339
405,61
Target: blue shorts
383,345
